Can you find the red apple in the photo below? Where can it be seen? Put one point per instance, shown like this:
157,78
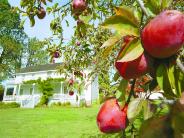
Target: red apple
136,68
56,54
71,81
41,13
111,118
71,93
163,36
78,43
79,6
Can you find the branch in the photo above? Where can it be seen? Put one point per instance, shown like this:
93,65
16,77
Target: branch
180,65
141,4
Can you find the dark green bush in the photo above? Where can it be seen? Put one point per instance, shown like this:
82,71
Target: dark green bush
1,92
59,104
9,105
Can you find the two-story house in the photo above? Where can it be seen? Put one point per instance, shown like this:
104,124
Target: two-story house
28,95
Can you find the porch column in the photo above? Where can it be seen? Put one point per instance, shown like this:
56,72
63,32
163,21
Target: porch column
19,90
61,88
5,90
33,94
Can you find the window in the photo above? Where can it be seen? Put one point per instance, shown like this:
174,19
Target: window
9,91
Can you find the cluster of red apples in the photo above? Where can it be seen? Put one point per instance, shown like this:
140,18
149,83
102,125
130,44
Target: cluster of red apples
161,38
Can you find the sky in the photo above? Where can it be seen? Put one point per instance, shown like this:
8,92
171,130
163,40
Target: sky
41,29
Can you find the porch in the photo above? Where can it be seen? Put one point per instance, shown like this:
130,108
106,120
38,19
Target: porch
28,95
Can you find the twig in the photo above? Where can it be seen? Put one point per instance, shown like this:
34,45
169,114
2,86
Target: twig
141,4
180,65
131,91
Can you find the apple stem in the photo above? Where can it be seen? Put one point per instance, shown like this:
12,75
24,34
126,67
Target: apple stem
180,65
141,4
131,91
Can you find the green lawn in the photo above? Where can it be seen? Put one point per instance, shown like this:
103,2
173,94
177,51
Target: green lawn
61,122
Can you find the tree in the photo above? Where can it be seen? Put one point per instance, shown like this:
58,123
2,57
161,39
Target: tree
11,40
36,52
98,49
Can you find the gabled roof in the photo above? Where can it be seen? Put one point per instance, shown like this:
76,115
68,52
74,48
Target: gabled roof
39,68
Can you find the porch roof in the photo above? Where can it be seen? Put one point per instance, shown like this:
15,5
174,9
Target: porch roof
39,68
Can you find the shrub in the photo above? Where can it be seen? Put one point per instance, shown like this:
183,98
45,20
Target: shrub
59,104
1,92
9,105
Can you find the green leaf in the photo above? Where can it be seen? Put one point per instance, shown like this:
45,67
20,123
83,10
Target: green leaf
128,13
179,81
85,19
121,25
166,3
149,109
32,21
111,41
109,45
132,51
134,108
156,6
116,76
163,81
22,23
106,52
122,89
157,127
123,85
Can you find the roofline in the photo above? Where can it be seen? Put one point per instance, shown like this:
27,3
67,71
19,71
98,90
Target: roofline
36,71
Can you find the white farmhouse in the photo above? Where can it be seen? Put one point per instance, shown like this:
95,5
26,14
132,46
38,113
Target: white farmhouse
28,95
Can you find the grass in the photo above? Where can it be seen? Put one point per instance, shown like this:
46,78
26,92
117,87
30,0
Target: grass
58,122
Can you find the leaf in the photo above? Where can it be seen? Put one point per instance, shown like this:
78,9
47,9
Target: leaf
122,88
157,127
166,4
163,81
116,76
32,21
111,41
106,52
22,23
123,85
109,45
132,51
128,13
67,23
149,109
156,6
179,81
121,25
85,19
134,108
171,77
